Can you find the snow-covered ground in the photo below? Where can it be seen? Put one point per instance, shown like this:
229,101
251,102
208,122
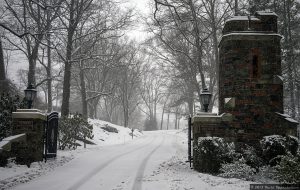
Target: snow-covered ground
176,174
155,160
104,138
13,174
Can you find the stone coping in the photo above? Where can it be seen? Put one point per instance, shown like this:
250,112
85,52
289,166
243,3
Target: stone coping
5,144
29,114
287,117
254,36
212,118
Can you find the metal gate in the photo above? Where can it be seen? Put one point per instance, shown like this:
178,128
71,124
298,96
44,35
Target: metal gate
190,139
51,135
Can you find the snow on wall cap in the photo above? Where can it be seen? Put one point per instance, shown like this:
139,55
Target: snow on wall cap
283,114
239,18
291,120
287,117
280,77
267,12
241,33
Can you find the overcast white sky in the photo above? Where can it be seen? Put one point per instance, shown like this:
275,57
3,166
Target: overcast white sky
142,7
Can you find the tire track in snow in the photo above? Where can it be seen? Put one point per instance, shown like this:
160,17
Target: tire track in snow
137,185
85,179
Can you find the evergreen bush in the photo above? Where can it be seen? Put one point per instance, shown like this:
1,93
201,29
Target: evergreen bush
237,169
72,129
8,104
251,157
211,153
275,145
288,169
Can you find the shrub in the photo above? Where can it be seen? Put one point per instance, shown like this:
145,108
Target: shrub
288,169
8,104
291,144
251,157
237,169
72,129
265,174
211,152
109,129
275,145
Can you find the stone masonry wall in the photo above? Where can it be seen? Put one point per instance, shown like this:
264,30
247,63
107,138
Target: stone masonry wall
250,82
255,97
33,149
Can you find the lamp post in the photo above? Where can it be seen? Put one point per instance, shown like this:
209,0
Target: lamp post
205,97
30,94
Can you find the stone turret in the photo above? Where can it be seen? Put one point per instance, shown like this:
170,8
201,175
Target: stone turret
250,85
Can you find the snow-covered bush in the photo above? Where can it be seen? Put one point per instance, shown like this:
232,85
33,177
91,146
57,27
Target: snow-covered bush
237,169
265,174
288,169
249,154
110,129
8,104
292,144
72,129
211,152
275,145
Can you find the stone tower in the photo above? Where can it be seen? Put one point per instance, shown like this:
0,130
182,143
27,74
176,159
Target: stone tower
250,84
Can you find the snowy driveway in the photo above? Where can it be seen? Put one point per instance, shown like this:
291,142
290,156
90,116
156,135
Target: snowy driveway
113,167
155,161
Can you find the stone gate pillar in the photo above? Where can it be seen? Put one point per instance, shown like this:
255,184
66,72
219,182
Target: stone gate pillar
32,123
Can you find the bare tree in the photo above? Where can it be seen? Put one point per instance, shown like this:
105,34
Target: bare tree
151,92
88,15
194,25
25,19
130,82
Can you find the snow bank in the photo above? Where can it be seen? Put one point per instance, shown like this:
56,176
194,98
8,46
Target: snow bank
104,137
13,174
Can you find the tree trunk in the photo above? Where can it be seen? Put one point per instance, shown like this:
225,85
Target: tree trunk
31,71
2,64
125,98
176,120
191,101
198,45
290,62
49,74
236,7
162,117
216,56
3,81
65,107
168,120
288,44
298,100
66,90
83,93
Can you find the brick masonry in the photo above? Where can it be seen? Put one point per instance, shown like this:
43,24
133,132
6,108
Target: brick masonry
32,123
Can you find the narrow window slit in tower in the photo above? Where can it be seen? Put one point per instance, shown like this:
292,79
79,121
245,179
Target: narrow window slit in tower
255,66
